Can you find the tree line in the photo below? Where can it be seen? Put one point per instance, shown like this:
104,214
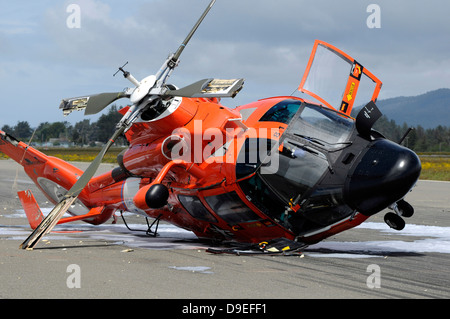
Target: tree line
81,134
86,133
419,139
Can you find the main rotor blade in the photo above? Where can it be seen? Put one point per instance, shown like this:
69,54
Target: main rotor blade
55,215
76,189
209,88
177,54
98,102
48,223
92,104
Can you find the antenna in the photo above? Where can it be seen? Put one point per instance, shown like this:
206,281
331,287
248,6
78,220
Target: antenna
121,69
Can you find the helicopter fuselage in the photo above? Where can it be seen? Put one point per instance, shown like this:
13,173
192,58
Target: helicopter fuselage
278,167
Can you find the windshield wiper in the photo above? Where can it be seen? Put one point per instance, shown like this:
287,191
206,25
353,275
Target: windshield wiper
324,155
305,148
311,139
320,142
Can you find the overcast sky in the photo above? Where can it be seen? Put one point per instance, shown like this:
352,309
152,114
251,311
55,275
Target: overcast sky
43,59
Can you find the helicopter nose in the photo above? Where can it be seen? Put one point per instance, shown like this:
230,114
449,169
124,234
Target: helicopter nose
384,175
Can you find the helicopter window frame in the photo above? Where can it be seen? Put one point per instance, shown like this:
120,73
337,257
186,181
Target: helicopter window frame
193,205
230,207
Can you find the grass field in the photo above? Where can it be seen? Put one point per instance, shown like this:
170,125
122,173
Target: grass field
434,166
79,154
83,154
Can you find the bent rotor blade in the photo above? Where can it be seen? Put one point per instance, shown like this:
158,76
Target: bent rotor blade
76,189
55,215
209,88
92,104
48,223
98,102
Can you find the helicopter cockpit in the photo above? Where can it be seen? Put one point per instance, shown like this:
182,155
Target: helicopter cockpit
323,169
288,171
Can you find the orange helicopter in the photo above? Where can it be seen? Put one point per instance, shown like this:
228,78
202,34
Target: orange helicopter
272,176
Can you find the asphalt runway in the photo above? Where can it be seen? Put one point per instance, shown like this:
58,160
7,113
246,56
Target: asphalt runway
108,261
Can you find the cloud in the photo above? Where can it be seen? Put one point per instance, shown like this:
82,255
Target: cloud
266,42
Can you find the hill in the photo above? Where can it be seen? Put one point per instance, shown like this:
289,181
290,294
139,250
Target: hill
428,110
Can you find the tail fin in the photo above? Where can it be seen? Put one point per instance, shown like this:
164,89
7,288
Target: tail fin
31,207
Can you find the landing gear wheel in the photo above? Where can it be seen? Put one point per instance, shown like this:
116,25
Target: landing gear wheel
405,208
394,221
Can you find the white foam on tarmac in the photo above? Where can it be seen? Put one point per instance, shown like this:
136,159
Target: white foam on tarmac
430,239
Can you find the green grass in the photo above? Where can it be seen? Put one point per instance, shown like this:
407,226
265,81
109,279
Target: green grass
78,154
82,154
435,167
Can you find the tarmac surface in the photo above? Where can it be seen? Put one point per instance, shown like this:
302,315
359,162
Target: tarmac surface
109,261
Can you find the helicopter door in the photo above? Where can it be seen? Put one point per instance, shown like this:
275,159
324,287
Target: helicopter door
333,78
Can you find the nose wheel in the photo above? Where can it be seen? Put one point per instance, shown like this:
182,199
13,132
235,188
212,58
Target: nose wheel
394,221
401,209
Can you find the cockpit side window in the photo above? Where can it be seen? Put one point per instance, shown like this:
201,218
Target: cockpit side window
231,208
195,208
298,170
282,112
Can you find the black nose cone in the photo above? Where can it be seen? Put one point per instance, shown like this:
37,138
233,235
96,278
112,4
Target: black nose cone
384,175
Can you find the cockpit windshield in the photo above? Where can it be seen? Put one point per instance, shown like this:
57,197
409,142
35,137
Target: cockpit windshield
322,125
317,123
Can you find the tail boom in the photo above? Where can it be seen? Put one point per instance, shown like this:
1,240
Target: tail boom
53,177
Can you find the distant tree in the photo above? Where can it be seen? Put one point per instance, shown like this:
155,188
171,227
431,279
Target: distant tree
46,131
82,132
58,129
23,130
8,129
106,124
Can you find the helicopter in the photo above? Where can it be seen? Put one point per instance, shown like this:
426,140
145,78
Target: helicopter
275,175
